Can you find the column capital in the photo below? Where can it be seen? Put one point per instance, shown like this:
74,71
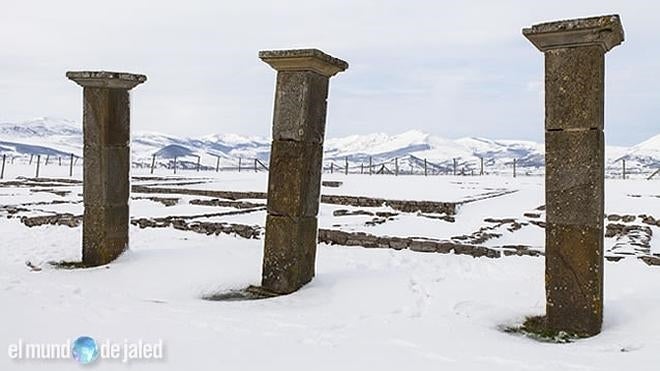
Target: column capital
303,60
605,31
105,79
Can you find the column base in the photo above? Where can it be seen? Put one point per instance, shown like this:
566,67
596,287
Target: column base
289,253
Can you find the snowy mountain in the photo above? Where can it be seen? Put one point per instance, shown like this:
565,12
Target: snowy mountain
409,150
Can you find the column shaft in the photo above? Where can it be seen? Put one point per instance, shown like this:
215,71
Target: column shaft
296,160
106,128
575,172
107,162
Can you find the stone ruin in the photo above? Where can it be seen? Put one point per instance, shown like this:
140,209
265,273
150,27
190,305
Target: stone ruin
575,167
106,172
294,179
574,105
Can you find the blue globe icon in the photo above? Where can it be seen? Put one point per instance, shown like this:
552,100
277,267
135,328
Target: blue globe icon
84,350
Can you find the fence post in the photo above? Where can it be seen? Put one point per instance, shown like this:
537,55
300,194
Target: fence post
482,166
46,162
239,164
426,172
31,155
332,167
623,162
174,164
255,165
38,163
2,172
514,167
454,166
153,162
653,174
71,166
60,159
217,164
361,168
396,166
370,164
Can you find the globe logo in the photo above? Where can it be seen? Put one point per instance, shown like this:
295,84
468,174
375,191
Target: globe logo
84,350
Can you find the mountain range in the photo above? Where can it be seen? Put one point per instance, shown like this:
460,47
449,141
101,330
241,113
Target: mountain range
412,149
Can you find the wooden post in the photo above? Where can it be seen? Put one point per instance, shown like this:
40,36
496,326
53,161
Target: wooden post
71,166
396,166
255,165
482,166
332,167
60,159
217,164
46,162
623,163
38,163
370,164
239,164
454,166
346,165
426,170
2,172
361,168
31,155
199,158
153,162
514,167
174,164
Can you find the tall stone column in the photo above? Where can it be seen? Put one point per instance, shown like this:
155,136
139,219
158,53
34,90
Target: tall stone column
107,162
294,178
574,158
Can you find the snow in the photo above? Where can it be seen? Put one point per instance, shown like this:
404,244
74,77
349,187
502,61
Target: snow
365,309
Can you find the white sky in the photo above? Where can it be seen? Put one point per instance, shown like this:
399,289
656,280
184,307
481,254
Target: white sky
459,68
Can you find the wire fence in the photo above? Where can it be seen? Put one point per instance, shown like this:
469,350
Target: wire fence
69,165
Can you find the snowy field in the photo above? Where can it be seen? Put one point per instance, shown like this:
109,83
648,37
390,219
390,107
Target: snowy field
366,309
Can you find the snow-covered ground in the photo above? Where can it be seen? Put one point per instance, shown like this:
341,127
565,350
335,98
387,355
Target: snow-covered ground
365,309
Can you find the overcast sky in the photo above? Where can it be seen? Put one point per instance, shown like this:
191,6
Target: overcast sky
453,69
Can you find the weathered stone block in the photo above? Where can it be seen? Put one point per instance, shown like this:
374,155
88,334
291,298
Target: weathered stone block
289,253
294,179
574,278
604,31
106,176
574,163
106,79
105,233
303,60
300,106
574,88
106,117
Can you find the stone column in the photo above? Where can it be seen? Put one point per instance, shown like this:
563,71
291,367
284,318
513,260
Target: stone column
107,162
574,158
294,178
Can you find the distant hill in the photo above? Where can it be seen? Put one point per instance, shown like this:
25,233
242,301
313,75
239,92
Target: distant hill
58,137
